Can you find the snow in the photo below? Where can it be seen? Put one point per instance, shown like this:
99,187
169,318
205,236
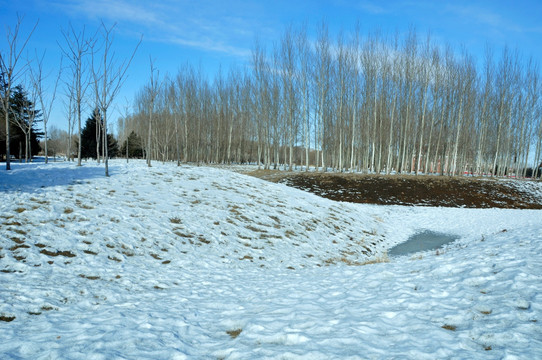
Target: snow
197,262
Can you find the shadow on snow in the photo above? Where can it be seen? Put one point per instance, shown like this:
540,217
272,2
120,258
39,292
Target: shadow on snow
28,177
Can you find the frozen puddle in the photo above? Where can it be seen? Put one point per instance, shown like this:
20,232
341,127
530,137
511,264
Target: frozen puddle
422,241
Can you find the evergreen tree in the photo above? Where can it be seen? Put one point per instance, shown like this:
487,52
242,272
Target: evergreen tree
112,146
134,145
21,111
89,135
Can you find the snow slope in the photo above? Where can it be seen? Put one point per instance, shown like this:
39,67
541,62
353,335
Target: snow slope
196,262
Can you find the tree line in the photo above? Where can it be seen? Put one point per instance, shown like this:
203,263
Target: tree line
375,103
357,102
92,78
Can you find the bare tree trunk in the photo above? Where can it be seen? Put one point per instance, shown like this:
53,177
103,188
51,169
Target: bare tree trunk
152,92
112,77
11,73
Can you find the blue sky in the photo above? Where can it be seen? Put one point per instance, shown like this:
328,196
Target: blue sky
214,33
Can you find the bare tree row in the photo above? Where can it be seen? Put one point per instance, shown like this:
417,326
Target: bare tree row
357,103
92,65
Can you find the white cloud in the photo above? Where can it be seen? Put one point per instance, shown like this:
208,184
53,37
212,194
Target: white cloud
176,22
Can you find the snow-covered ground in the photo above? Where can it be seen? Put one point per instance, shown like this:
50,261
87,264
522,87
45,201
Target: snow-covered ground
196,262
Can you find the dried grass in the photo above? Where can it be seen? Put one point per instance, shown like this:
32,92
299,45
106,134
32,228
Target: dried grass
57,253
89,277
6,318
234,333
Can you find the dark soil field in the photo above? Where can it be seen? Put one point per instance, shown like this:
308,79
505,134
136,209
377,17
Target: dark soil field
468,192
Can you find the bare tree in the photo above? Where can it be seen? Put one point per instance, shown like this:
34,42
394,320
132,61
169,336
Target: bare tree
58,141
69,106
10,73
75,49
152,92
109,79
322,82
305,59
46,103
289,87
174,107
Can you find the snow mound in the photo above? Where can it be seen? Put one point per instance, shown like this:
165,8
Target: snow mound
196,262
176,215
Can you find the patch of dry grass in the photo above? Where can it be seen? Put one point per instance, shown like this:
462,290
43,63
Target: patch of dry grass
255,229
234,333
19,246
39,201
6,318
57,253
17,240
183,235
89,277
12,223
203,240
381,259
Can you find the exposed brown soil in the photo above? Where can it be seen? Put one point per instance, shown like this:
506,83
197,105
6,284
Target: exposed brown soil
408,189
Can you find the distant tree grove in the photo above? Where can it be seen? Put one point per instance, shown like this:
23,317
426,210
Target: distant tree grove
367,103
92,68
378,104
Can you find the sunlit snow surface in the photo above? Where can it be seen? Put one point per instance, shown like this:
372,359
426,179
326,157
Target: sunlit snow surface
195,262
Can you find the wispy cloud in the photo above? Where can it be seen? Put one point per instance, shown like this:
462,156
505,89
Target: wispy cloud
181,23
477,15
116,10
372,7
493,20
210,45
